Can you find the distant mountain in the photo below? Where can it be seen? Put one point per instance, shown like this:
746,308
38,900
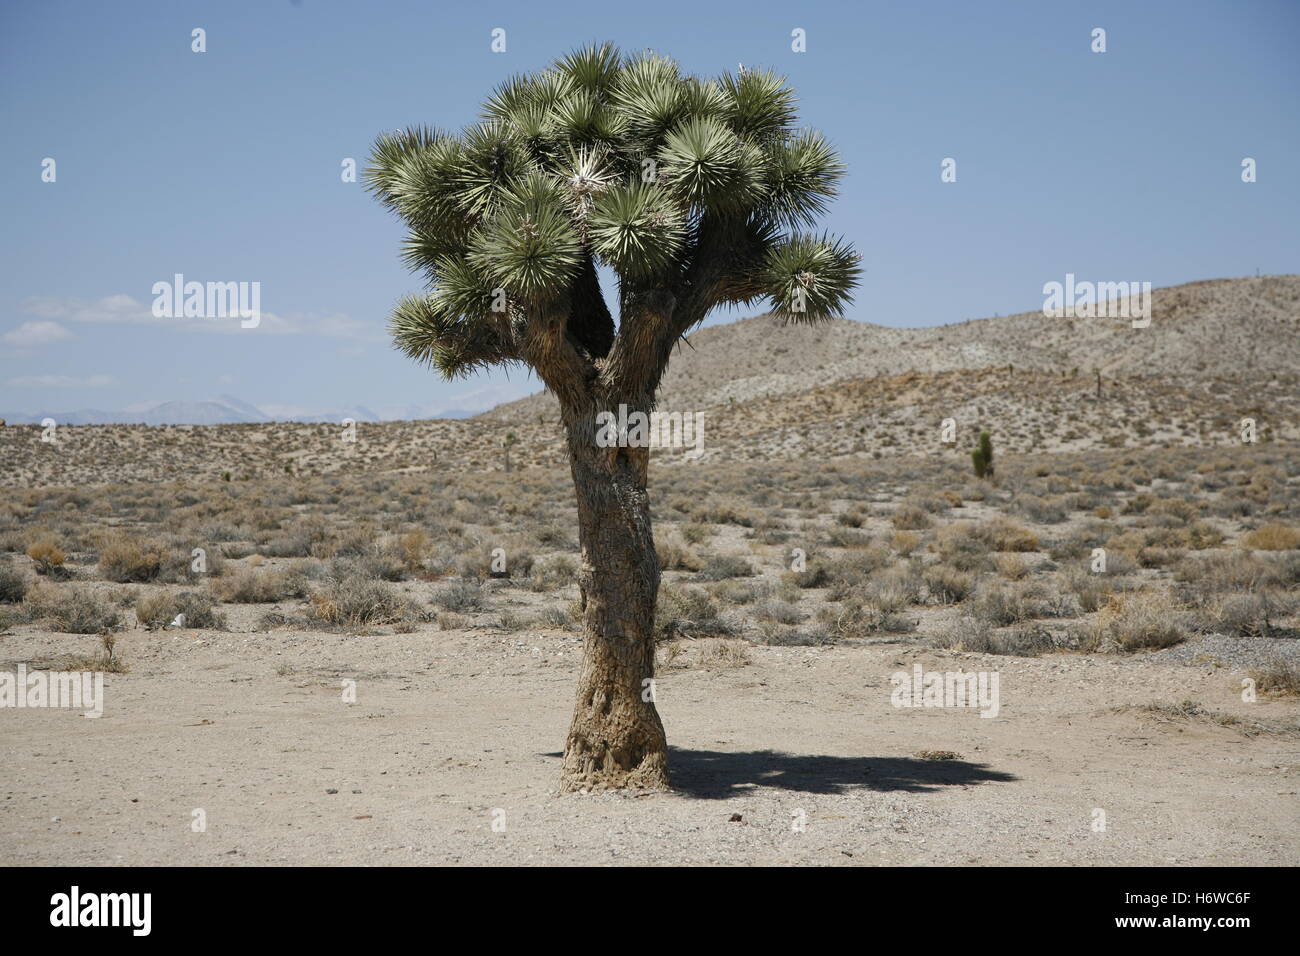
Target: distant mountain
229,410
254,413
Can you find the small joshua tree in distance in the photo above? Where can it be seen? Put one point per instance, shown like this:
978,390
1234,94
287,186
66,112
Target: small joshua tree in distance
982,456
696,193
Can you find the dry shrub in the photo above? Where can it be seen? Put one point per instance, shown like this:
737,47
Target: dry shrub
857,618
48,557
250,586
414,546
557,572
966,545
1092,590
1248,614
718,567
1009,602
854,570
72,610
1004,534
911,518
461,596
1224,571
351,598
904,542
689,611
13,584
895,589
946,584
781,612
1012,566
696,533
1139,621
815,577
129,560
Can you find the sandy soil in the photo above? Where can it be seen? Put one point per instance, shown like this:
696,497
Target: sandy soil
449,727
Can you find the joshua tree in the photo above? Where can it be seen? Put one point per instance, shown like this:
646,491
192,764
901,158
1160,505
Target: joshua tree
694,192
510,439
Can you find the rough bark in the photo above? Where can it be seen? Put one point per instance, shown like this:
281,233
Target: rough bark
616,739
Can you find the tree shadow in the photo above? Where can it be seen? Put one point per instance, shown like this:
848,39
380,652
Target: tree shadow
714,775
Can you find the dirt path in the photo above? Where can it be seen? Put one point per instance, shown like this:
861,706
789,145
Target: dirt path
449,727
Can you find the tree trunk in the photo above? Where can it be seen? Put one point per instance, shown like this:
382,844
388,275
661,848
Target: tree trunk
616,739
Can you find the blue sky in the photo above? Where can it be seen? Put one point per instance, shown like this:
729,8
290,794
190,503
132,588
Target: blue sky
225,165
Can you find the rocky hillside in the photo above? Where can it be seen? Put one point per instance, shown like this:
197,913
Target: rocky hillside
1237,329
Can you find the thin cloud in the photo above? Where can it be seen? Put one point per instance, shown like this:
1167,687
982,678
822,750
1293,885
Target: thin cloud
124,310
32,334
60,381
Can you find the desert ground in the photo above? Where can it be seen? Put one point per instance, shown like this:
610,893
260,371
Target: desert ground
379,643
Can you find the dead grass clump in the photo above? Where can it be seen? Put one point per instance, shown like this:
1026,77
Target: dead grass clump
675,557
904,542
896,588
1009,602
158,610
1279,678
1042,510
859,619
723,655
846,538
106,662
716,511
975,636
1190,710
1272,537
718,567
696,533
815,577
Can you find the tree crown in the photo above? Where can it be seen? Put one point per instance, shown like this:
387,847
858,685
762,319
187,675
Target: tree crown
696,193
